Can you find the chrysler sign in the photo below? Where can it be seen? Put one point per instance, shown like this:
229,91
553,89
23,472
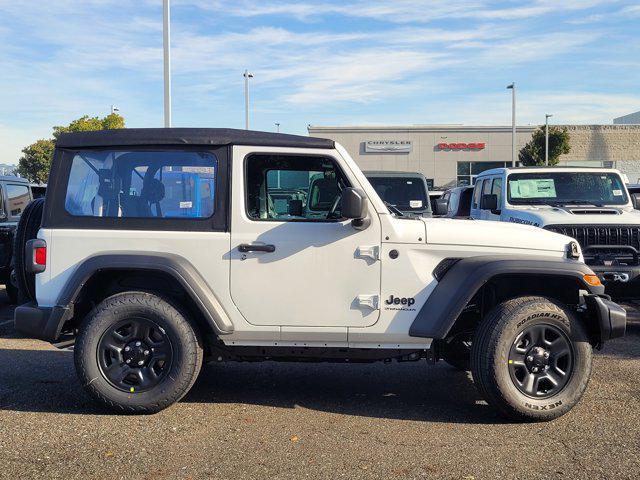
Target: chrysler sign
387,146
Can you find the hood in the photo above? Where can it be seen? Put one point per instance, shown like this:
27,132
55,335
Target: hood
481,233
543,215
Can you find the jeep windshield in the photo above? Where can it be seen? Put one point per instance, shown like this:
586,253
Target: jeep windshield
405,194
566,188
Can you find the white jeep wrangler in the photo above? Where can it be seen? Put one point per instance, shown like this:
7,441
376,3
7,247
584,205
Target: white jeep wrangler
591,205
161,247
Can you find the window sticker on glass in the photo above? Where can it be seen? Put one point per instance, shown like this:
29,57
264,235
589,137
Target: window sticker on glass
415,203
533,188
186,204
617,193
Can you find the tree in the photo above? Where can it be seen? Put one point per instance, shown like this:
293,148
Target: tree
532,153
35,162
87,123
34,165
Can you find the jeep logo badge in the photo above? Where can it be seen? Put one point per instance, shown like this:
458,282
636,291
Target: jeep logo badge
408,301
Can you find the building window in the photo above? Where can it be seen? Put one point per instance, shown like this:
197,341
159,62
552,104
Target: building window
468,171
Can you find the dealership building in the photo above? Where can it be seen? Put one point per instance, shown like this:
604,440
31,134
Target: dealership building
449,155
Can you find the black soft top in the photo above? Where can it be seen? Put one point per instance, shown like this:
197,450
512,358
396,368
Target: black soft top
186,136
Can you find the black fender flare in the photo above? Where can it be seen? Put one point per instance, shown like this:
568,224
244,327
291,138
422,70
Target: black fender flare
174,265
466,276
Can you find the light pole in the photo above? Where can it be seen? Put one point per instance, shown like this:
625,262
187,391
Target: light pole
546,138
513,123
277,127
114,109
246,76
166,38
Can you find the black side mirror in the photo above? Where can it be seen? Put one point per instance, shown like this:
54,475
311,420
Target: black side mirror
354,206
295,208
635,200
442,207
489,202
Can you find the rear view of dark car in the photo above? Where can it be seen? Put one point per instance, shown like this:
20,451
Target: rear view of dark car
15,195
406,191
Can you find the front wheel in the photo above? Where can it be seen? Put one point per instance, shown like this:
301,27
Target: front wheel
137,353
531,359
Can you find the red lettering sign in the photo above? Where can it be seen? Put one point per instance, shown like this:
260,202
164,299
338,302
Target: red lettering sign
461,146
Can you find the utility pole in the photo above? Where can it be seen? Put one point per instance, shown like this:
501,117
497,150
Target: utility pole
246,76
512,86
277,127
546,138
166,43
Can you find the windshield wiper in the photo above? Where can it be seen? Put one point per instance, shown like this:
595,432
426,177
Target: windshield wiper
393,209
581,202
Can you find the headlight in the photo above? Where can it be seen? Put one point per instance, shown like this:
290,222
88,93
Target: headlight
573,251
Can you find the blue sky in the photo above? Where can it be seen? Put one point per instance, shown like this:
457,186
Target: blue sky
321,63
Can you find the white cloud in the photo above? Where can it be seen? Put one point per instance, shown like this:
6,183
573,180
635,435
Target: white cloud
380,60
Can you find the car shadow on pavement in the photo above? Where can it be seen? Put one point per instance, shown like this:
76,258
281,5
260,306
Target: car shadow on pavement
42,381
45,381
627,346
409,391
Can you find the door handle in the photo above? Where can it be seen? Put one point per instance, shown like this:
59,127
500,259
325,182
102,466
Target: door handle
250,247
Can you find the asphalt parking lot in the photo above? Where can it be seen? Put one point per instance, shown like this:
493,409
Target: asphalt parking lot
270,420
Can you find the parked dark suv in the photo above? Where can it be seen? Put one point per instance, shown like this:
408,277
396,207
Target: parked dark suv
15,194
404,191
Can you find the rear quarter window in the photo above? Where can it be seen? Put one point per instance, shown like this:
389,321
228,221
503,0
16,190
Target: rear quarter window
142,184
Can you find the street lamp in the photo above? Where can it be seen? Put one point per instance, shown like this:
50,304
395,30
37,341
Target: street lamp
166,38
546,138
277,127
246,76
512,86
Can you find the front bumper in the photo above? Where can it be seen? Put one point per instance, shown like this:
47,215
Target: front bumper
620,281
611,317
44,323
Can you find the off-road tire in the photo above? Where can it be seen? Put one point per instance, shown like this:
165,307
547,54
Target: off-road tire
185,341
490,356
26,230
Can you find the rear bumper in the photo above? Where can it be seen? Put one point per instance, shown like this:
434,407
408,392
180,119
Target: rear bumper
44,323
611,317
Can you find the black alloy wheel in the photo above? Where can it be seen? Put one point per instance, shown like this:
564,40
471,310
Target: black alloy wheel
541,361
135,355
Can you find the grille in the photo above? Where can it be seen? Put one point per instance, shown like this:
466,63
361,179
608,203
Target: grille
591,237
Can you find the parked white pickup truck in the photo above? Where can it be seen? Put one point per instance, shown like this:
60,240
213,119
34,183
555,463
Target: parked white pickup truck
591,205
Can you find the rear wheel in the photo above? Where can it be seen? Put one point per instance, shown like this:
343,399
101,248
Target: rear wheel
26,230
531,359
137,353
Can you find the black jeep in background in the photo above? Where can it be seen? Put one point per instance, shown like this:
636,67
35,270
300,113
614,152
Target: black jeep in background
15,195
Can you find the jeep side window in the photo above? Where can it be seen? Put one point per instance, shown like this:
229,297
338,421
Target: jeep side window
496,190
293,188
142,184
477,194
17,198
